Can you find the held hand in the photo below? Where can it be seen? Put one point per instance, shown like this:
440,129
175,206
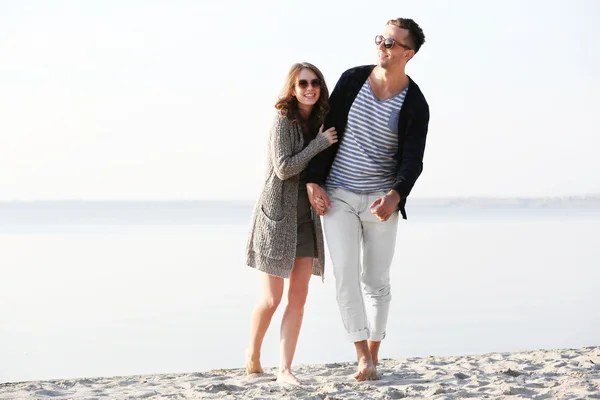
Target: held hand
330,134
318,198
385,206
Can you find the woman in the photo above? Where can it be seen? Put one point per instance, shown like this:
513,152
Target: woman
285,239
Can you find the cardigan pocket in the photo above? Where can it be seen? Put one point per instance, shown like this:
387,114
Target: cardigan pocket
269,236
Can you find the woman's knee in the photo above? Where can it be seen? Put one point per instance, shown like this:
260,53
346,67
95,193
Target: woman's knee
272,291
271,301
297,296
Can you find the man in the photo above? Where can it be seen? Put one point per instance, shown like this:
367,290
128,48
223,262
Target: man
381,118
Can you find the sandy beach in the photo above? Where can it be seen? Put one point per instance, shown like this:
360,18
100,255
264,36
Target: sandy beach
540,374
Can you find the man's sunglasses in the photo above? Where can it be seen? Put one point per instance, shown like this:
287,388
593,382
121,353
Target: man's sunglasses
388,43
303,83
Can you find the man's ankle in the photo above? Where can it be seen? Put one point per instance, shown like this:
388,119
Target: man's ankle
362,351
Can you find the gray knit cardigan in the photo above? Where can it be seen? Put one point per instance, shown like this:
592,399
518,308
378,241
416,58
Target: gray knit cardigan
271,246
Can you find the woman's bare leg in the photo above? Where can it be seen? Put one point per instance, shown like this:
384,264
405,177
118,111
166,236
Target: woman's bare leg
272,290
292,317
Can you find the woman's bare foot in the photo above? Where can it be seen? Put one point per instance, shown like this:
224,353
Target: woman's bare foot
253,364
286,376
366,370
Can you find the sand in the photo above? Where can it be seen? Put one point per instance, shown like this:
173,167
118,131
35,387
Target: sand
540,374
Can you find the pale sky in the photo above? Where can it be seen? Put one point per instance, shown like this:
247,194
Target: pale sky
166,100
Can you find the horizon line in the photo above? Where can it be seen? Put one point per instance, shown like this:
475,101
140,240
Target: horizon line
590,199
591,196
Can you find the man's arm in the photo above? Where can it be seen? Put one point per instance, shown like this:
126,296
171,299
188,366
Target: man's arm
411,163
411,166
318,168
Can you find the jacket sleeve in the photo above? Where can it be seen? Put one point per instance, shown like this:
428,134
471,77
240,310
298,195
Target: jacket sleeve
319,167
285,163
411,163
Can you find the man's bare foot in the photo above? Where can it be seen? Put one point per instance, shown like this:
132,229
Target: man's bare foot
374,349
286,376
253,364
366,370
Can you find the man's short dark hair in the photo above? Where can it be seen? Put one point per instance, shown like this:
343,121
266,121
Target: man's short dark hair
416,37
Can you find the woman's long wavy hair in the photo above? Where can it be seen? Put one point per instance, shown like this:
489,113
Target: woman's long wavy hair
287,104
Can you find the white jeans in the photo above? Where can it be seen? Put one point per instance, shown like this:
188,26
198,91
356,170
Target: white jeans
363,289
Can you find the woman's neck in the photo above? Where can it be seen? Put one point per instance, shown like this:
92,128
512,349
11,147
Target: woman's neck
304,110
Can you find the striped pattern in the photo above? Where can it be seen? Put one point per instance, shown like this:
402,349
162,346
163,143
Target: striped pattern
366,160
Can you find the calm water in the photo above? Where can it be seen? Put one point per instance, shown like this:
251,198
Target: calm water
122,289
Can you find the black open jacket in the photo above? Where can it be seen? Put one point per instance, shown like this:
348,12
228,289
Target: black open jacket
412,132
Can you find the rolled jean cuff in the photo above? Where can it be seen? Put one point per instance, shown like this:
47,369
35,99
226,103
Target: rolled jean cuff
377,337
358,336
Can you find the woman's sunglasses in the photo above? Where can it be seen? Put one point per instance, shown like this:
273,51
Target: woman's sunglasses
303,83
388,43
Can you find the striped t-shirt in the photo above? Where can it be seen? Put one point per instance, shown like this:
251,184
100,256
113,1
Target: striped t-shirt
366,159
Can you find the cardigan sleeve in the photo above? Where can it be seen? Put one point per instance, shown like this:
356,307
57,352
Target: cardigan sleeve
285,163
319,167
411,163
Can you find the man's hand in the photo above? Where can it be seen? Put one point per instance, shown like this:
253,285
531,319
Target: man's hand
318,198
385,206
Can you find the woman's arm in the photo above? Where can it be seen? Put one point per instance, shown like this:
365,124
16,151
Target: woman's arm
285,163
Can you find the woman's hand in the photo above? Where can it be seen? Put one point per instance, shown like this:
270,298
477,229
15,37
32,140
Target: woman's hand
330,134
318,198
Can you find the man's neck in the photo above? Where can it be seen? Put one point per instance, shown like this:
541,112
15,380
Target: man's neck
390,80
